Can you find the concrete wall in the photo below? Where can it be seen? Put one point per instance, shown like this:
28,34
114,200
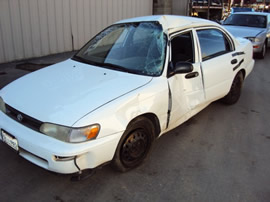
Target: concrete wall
33,28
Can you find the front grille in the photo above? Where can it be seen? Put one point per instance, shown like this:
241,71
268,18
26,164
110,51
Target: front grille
23,118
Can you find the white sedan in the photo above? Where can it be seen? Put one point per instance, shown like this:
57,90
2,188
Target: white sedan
133,82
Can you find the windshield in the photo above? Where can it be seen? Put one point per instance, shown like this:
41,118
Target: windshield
246,20
134,47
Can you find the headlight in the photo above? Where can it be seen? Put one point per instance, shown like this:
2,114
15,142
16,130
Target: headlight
253,39
68,134
2,105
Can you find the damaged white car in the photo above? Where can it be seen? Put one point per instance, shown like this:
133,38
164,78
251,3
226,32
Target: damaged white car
131,83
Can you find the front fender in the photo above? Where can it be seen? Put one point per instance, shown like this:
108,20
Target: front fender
114,116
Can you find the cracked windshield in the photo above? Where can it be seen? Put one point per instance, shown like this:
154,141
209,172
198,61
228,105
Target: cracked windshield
137,48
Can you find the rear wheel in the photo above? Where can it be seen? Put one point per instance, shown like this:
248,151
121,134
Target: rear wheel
134,146
234,94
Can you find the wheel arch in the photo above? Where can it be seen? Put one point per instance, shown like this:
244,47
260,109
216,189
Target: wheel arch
243,71
153,118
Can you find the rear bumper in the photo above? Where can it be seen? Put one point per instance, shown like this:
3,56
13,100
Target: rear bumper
58,156
249,67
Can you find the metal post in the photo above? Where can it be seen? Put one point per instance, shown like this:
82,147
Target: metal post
208,10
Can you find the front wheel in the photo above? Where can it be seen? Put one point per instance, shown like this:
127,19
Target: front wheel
134,146
261,55
234,94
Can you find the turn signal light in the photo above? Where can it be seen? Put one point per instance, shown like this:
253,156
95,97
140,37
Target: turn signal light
91,133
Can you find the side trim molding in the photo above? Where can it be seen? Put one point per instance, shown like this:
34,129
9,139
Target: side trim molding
239,64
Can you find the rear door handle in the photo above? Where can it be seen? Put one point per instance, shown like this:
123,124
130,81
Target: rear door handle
192,75
234,61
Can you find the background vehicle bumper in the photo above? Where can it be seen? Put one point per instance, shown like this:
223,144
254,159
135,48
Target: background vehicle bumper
58,156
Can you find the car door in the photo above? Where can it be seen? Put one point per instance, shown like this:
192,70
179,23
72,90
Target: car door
186,89
217,62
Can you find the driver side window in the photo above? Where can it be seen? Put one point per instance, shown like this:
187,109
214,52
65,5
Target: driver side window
182,48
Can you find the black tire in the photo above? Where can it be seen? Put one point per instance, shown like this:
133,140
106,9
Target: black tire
234,94
261,55
134,146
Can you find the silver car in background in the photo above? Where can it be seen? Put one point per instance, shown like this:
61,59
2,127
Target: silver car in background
254,26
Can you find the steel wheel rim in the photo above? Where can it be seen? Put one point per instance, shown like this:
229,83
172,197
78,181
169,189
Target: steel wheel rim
135,148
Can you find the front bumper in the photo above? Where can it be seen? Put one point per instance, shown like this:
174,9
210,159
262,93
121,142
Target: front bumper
58,156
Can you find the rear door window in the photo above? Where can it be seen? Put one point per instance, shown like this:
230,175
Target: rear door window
213,43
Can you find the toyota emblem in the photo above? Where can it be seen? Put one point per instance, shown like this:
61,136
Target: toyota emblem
20,117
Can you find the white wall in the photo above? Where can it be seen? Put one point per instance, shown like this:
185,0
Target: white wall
33,28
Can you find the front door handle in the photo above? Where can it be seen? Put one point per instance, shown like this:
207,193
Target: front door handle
234,61
192,75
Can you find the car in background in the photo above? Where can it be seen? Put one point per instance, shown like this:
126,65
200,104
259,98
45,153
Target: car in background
254,26
133,82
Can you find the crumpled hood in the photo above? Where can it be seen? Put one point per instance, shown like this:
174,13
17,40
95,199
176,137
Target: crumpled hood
65,92
240,31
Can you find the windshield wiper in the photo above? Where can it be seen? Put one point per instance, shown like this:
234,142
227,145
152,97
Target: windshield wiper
105,65
81,59
118,67
113,66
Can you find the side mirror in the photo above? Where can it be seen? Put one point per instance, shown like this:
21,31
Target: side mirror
183,68
179,68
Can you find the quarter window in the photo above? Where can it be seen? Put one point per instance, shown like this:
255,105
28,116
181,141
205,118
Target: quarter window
213,43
